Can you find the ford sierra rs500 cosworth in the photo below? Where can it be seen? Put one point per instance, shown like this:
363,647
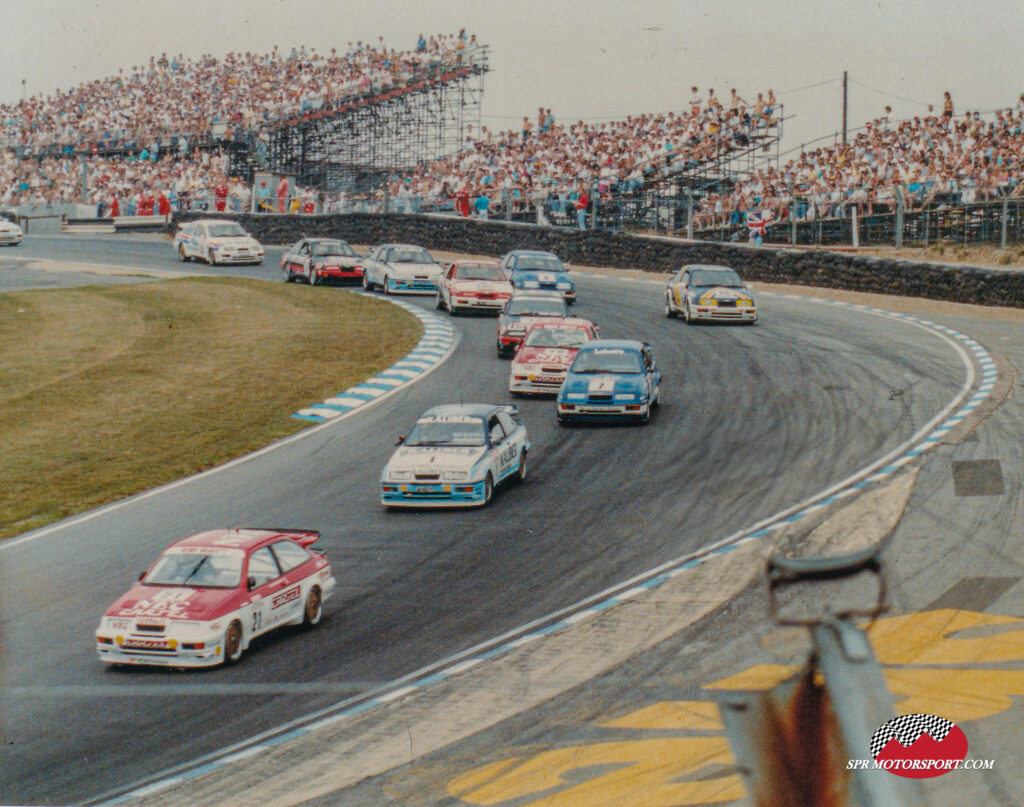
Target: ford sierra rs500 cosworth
713,293
521,310
322,260
544,355
456,455
534,270
401,269
210,594
610,379
216,241
473,286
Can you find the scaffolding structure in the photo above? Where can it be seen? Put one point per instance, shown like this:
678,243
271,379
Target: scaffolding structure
355,147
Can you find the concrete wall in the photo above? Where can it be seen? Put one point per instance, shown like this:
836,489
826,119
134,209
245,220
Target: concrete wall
624,250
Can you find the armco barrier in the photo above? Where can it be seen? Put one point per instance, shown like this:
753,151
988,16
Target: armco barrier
962,284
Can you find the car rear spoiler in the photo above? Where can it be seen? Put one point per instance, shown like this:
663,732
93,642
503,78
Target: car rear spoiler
302,537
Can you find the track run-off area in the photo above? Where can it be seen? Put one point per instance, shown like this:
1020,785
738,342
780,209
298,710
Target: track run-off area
758,425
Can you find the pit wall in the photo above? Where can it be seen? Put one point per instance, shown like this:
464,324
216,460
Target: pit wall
963,284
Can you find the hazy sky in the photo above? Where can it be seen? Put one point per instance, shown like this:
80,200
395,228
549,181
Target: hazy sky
584,59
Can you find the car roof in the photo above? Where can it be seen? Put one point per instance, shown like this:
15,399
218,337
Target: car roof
518,252
617,344
391,246
705,266
322,238
240,538
464,410
560,322
213,221
471,262
537,294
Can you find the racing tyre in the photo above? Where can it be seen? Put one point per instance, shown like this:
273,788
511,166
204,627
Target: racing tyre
384,286
233,643
488,489
288,276
440,302
367,285
181,254
313,612
668,311
312,277
686,313
210,259
520,474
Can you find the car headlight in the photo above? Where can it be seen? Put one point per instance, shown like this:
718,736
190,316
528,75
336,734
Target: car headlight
626,396
400,475
563,286
530,284
711,302
575,396
319,265
745,303
455,476
516,330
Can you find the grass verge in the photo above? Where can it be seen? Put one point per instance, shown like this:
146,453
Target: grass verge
108,391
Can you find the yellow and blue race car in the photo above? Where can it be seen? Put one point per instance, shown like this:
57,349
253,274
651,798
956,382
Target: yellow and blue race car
713,293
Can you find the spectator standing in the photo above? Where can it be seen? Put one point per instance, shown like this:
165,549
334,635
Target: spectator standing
947,108
481,205
582,203
262,197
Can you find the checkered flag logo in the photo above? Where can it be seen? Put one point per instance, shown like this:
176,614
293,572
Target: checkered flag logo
907,729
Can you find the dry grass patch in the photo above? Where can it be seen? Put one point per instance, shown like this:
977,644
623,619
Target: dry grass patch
108,391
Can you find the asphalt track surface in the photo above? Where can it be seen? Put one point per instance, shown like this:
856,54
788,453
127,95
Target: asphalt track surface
753,419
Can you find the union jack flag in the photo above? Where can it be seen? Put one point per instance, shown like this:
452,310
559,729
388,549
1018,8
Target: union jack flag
759,222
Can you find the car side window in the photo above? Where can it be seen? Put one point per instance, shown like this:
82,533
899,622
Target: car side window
304,249
289,555
497,433
262,566
506,422
451,272
648,359
686,278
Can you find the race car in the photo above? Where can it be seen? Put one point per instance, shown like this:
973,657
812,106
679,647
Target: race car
473,286
456,455
532,269
544,355
322,260
401,269
705,292
210,594
519,313
216,241
610,379
10,233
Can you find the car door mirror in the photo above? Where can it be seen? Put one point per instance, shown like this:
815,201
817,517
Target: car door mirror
250,583
142,574
400,440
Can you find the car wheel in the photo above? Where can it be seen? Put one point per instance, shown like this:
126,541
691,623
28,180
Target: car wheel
314,611
440,302
210,259
233,643
385,285
288,276
312,277
488,488
181,254
520,476
668,310
686,313
501,352
367,285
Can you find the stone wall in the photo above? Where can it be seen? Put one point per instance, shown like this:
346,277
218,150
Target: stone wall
624,250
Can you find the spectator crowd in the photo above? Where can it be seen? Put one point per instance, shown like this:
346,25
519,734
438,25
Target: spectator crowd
932,159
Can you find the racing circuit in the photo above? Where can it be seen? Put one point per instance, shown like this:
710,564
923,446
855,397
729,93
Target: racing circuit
753,421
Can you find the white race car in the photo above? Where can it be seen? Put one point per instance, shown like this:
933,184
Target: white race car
473,286
10,233
401,269
456,455
216,241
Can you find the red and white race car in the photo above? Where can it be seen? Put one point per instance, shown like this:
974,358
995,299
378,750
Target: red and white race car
473,286
322,260
210,594
544,355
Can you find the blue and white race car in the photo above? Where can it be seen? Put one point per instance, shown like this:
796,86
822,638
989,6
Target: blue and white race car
456,455
610,379
538,271
401,269
713,293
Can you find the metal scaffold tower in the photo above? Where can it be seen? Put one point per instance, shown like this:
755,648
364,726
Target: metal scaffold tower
355,147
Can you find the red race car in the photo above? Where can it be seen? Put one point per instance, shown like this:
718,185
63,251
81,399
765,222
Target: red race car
322,260
210,594
473,286
544,355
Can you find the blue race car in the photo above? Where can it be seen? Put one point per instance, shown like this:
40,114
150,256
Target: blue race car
610,379
533,270
456,455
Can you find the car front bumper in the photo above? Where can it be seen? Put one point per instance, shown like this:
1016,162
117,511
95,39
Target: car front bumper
238,257
441,494
413,286
113,653
536,385
585,411
719,314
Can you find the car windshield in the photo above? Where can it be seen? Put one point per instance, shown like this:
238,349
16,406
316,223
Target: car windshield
447,431
479,271
201,569
226,231
557,337
324,248
716,277
607,360
410,255
542,263
536,306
